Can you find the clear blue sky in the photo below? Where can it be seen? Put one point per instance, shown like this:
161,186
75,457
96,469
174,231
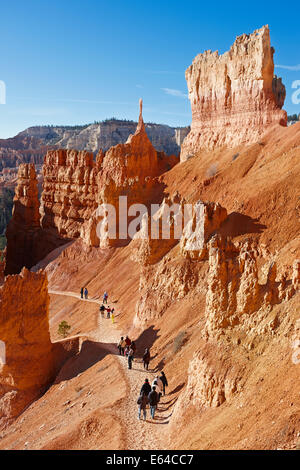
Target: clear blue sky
76,61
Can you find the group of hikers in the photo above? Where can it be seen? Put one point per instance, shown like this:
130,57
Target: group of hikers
127,348
109,311
151,394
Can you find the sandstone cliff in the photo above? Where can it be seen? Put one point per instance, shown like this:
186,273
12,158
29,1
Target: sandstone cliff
235,97
30,145
221,318
130,170
27,242
69,195
162,279
23,231
239,311
74,186
29,361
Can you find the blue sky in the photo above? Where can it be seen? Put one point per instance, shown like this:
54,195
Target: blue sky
76,61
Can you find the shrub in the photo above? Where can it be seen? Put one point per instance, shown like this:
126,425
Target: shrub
179,341
63,329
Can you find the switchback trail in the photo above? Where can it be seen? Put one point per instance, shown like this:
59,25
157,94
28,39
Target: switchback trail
139,434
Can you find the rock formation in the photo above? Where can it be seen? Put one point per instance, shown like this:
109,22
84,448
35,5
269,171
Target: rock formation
296,275
30,361
74,186
234,292
178,222
234,97
210,384
238,312
23,231
162,284
69,195
160,232
130,170
31,145
205,220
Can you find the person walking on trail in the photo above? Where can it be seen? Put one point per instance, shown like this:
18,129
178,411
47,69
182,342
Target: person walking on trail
86,293
146,387
130,358
102,310
81,292
126,350
105,297
164,381
159,386
108,310
113,315
127,341
146,358
142,402
121,346
153,400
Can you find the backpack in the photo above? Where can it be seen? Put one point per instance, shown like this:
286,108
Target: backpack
139,400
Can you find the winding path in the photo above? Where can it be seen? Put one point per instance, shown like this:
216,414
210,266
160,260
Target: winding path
141,434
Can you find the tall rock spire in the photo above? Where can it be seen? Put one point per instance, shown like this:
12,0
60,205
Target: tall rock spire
141,126
235,96
24,227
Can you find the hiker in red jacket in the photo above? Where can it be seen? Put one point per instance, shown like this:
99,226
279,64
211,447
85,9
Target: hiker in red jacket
146,387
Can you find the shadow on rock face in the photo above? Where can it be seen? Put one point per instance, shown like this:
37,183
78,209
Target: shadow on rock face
240,224
146,340
177,389
91,352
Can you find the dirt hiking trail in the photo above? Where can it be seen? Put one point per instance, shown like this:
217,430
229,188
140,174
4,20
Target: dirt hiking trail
139,434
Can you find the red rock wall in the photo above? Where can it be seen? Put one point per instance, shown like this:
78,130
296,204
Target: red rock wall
74,184
69,195
23,231
234,97
32,361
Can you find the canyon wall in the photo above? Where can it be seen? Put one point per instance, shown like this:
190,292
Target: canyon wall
31,145
235,97
73,188
75,184
69,195
239,312
23,231
130,170
29,361
163,281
